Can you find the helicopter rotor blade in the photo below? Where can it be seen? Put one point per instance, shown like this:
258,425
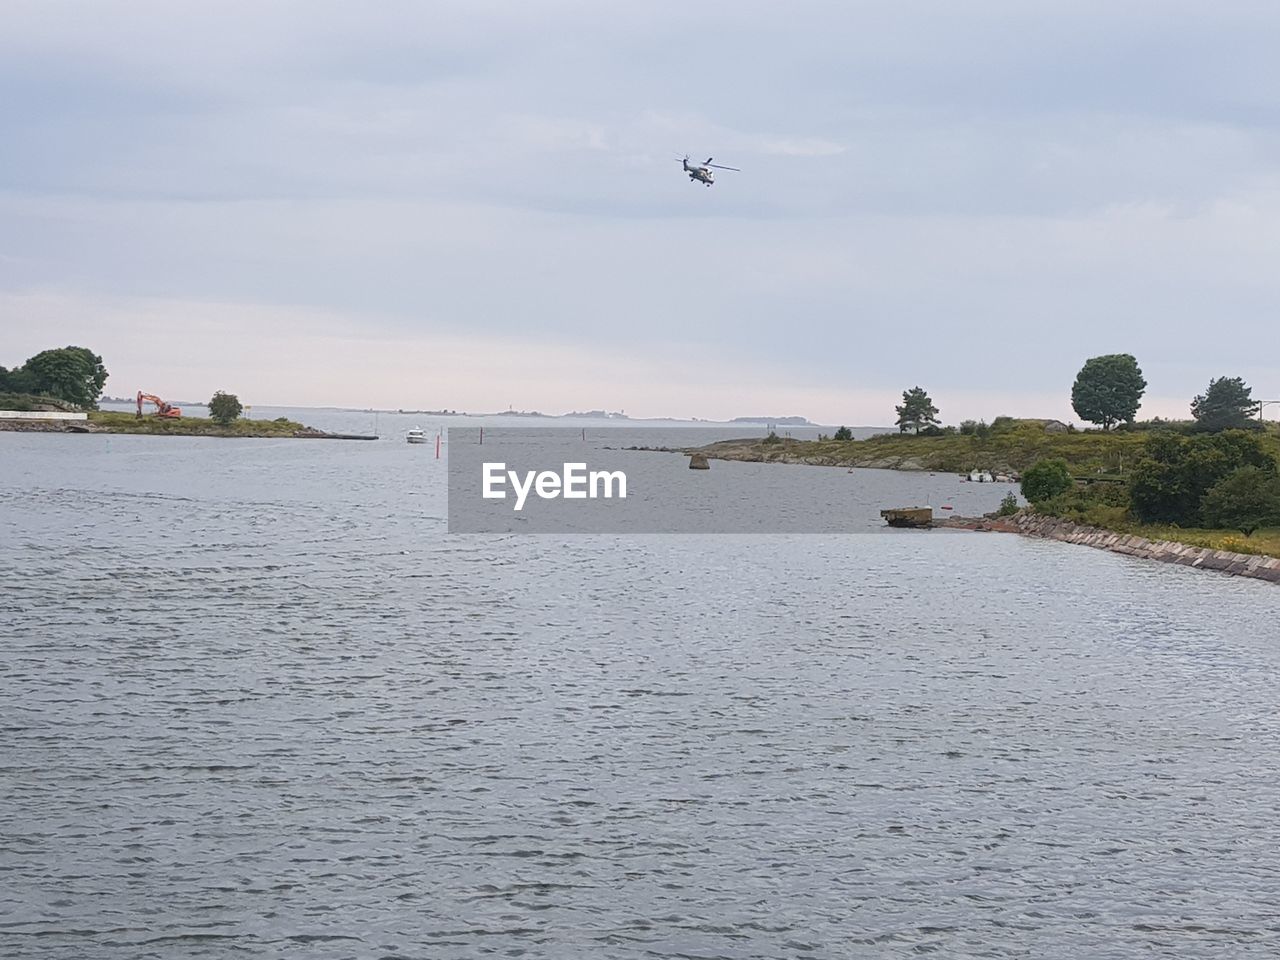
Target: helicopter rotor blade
719,166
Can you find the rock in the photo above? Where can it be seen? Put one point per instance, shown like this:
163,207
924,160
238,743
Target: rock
698,461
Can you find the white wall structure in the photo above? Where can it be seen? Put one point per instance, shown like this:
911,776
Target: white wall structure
41,415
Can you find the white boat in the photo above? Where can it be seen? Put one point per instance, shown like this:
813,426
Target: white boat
980,476
416,435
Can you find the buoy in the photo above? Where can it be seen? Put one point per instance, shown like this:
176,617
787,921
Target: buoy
946,506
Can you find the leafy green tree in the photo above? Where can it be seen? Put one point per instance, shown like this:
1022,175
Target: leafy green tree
1108,390
17,380
225,407
1046,479
74,374
1008,505
1244,501
1226,405
1174,472
844,433
917,411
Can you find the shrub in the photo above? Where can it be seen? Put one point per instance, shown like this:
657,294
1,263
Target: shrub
1244,501
844,433
1009,505
1175,472
1045,480
1095,504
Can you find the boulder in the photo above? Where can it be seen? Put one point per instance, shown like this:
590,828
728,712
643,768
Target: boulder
698,461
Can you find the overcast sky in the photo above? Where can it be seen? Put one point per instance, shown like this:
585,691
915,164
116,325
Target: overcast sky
475,205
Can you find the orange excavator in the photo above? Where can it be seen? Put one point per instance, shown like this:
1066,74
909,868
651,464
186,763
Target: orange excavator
162,409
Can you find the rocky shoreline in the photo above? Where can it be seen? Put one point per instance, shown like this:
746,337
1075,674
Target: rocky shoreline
790,451
1255,566
754,451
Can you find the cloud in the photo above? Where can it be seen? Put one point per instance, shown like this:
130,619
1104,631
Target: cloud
974,198
808,147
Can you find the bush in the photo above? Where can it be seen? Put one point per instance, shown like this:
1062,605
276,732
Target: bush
1094,504
844,433
772,438
1009,505
1175,472
1244,501
1045,480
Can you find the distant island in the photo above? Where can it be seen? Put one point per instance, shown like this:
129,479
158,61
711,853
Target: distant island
604,415
779,421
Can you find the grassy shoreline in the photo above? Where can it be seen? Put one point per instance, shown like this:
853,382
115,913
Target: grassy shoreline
111,422
1265,542
1087,454
105,421
1012,450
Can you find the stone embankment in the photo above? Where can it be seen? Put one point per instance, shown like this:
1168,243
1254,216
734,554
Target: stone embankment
46,426
1166,551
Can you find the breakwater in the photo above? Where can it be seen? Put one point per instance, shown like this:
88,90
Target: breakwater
1167,551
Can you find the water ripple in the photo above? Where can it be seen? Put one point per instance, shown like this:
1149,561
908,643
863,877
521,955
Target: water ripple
281,713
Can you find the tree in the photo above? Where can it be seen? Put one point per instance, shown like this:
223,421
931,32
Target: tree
74,374
17,380
1226,405
1108,390
225,407
1244,501
844,433
917,411
1174,473
1046,479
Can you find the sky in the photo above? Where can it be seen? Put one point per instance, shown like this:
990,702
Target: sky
477,205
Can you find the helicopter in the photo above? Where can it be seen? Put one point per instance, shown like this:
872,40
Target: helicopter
701,172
